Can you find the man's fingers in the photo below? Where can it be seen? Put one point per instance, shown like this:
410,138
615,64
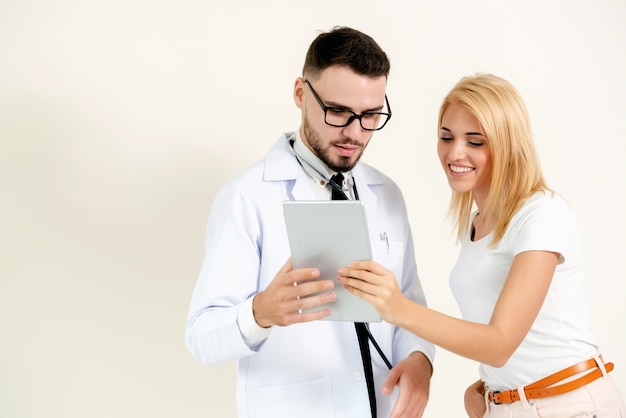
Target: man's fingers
310,302
305,288
289,277
309,308
391,381
287,267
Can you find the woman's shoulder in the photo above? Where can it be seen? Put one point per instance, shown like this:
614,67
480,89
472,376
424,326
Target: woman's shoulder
546,205
546,200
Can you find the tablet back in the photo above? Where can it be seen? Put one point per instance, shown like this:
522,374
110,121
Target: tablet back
328,234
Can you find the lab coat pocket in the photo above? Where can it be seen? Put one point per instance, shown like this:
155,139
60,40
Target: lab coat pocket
388,253
310,399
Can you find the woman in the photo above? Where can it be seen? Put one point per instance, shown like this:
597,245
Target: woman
519,276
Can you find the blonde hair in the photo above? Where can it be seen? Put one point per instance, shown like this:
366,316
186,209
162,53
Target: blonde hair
516,172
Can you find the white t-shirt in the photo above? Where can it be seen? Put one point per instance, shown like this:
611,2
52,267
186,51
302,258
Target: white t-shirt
560,335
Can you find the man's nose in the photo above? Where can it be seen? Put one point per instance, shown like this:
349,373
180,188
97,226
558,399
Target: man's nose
354,129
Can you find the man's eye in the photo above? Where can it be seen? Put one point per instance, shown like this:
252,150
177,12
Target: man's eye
337,111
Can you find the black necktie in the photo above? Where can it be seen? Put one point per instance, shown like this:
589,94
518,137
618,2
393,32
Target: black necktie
360,327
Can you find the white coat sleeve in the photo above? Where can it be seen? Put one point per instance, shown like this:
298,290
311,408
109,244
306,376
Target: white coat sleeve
229,276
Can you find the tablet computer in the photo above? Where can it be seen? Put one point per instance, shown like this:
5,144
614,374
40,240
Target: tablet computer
328,234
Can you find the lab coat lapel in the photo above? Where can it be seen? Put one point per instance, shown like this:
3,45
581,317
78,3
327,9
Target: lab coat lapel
364,182
282,165
302,189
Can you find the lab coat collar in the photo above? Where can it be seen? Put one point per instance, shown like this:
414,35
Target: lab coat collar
281,165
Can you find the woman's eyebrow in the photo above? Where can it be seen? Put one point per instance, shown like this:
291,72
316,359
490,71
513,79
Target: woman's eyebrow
443,128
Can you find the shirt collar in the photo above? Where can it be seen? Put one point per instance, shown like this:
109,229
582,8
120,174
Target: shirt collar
314,167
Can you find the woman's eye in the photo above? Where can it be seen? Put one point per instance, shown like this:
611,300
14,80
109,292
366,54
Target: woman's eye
446,138
476,144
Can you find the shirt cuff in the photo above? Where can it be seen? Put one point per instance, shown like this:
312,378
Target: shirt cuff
252,333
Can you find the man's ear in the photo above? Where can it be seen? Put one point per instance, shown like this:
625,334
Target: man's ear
298,92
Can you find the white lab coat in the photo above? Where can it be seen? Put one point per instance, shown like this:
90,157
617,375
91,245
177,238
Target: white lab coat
304,370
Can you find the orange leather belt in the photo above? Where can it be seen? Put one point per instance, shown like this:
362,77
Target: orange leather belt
543,388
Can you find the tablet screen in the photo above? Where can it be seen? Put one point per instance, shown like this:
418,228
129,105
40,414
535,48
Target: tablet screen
328,234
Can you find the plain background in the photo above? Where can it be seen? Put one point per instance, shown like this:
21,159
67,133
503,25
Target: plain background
120,120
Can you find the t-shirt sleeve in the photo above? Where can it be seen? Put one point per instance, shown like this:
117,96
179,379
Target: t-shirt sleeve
545,224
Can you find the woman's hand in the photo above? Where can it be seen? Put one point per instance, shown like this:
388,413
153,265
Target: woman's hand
376,285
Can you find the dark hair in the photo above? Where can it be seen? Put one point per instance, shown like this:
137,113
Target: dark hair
348,47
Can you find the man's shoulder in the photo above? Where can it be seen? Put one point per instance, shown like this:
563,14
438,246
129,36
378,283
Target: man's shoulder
277,165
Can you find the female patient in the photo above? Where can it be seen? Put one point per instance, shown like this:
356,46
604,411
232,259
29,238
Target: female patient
519,277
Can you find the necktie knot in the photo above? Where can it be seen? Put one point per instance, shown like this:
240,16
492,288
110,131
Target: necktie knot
338,179
336,187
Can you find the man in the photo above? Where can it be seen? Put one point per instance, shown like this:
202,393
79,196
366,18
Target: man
246,305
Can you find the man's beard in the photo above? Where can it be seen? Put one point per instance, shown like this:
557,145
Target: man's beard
344,163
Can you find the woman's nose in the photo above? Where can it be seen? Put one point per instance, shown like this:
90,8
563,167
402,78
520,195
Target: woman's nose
456,151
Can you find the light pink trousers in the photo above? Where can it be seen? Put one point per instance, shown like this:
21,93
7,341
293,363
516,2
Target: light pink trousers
598,399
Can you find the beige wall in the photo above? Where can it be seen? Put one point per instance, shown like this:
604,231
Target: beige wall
120,120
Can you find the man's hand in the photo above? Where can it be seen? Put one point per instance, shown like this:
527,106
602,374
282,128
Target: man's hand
290,292
412,375
475,400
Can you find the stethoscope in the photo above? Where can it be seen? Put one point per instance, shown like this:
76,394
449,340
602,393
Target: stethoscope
340,189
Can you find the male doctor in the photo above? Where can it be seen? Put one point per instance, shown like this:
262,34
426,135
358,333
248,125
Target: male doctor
245,306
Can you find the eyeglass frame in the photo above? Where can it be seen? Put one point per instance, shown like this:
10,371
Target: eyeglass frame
354,116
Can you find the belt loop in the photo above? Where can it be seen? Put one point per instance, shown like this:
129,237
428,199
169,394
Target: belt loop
522,397
486,396
600,364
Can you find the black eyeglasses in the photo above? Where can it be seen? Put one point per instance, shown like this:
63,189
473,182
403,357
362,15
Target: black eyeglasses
340,116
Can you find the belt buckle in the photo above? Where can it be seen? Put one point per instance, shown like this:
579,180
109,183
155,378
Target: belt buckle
493,396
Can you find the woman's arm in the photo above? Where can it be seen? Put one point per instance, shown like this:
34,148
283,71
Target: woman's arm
517,307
